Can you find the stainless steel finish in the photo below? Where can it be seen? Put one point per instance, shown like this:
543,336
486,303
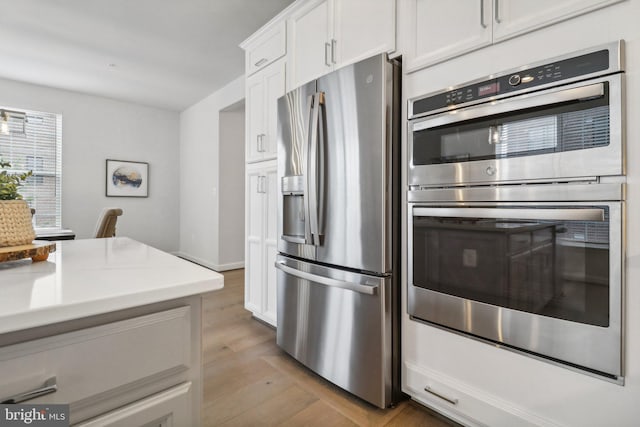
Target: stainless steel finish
451,400
363,288
616,61
568,214
496,10
521,193
334,42
338,299
599,161
594,347
294,118
482,23
575,92
338,333
260,62
49,386
327,48
354,159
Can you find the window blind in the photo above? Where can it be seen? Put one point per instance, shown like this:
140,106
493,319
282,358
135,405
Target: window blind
38,148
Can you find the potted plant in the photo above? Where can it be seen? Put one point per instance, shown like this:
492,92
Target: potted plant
16,227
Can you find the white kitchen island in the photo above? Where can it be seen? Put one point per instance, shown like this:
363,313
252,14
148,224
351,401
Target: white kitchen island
116,324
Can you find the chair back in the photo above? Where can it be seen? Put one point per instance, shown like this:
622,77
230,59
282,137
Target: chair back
106,226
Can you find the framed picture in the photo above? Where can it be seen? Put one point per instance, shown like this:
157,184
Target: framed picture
127,179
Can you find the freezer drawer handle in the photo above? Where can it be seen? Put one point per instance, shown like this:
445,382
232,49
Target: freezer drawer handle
48,387
357,287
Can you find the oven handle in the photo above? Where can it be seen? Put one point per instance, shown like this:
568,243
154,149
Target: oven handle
576,214
515,103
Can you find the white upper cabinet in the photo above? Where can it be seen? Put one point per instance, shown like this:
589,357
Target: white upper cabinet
440,30
327,34
514,17
262,92
443,29
266,49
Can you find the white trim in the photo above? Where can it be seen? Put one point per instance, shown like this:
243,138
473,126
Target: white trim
212,266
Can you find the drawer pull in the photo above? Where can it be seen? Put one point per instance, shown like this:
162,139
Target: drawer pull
441,396
49,386
262,61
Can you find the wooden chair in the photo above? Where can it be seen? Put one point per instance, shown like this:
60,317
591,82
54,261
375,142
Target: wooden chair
106,226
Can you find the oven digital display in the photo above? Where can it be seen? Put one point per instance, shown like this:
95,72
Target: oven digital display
489,89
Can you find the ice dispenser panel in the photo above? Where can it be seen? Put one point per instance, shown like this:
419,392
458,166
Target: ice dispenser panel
293,216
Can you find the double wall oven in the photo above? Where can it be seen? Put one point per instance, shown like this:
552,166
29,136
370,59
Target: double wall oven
516,209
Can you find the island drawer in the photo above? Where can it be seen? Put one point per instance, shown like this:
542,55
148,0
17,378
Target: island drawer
101,367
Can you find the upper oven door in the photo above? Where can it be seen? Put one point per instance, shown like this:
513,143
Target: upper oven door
564,133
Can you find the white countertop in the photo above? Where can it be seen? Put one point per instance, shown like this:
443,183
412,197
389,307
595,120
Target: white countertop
94,276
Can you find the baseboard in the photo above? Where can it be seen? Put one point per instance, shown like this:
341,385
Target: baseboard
210,265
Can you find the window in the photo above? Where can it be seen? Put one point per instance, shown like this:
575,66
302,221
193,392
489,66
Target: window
37,147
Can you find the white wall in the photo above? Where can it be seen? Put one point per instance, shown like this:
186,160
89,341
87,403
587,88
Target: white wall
231,189
200,238
95,129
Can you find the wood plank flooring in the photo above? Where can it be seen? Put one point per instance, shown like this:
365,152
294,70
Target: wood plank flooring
249,381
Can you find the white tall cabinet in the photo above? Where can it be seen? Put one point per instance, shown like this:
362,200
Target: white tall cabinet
261,244
265,83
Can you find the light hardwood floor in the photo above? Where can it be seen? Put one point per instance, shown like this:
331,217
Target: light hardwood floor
249,381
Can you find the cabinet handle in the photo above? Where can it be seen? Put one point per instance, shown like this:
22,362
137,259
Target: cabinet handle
441,396
496,11
258,143
333,50
482,23
260,62
264,184
327,46
48,387
258,184
262,137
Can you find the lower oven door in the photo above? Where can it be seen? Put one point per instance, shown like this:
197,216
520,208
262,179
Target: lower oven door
544,278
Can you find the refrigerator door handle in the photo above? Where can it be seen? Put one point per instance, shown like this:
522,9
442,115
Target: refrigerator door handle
306,201
312,170
356,287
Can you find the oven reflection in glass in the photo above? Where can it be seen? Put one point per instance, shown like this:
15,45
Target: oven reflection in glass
551,268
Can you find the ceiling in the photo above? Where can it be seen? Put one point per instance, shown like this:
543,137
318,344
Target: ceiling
163,53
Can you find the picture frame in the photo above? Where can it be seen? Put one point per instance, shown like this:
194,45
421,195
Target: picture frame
125,178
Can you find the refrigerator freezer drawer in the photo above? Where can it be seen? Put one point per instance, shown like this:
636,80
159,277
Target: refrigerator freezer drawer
338,323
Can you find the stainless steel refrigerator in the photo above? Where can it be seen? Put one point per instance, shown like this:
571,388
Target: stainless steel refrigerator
338,296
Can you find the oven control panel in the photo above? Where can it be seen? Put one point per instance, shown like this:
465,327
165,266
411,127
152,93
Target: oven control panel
518,81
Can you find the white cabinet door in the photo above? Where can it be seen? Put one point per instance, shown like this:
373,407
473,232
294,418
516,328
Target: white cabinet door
166,409
254,235
310,48
439,30
261,245
515,17
362,28
270,245
255,104
263,90
444,29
